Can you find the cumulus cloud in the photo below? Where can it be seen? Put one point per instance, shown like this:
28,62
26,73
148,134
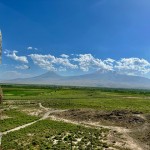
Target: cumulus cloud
64,56
13,55
109,61
83,62
87,62
22,67
52,63
32,48
133,66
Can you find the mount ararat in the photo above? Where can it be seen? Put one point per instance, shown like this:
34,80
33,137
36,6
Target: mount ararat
99,78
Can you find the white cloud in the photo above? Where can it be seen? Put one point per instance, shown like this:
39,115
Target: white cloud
52,63
13,56
30,48
109,60
84,62
134,66
64,56
87,62
22,67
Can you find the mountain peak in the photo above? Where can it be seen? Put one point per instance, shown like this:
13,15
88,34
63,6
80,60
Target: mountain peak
101,78
103,71
49,74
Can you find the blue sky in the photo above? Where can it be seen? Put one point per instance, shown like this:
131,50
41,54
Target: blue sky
36,34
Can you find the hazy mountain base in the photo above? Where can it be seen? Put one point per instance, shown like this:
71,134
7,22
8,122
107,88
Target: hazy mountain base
98,79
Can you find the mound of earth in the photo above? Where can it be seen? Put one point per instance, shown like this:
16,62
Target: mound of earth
117,117
143,133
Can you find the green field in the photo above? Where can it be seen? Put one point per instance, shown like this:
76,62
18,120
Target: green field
61,133
21,100
65,97
16,118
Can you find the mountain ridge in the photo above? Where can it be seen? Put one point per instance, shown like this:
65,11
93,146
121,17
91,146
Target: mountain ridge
99,78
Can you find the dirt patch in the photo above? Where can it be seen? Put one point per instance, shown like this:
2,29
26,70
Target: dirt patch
122,118
148,118
124,125
142,134
34,112
4,117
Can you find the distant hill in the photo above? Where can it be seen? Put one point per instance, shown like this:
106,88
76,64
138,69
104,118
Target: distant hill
97,79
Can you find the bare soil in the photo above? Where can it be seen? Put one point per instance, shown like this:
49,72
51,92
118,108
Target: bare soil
4,117
122,118
143,133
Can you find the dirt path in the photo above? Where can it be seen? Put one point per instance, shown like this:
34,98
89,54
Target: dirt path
41,106
20,127
45,116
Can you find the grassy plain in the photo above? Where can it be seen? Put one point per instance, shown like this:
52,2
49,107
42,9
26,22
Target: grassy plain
49,134
66,97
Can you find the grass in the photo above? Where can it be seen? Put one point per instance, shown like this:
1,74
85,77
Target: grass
64,97
15,119
47,134
55,135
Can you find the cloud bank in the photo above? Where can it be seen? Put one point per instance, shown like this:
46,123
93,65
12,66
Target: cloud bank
52,63
82,62
87,62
